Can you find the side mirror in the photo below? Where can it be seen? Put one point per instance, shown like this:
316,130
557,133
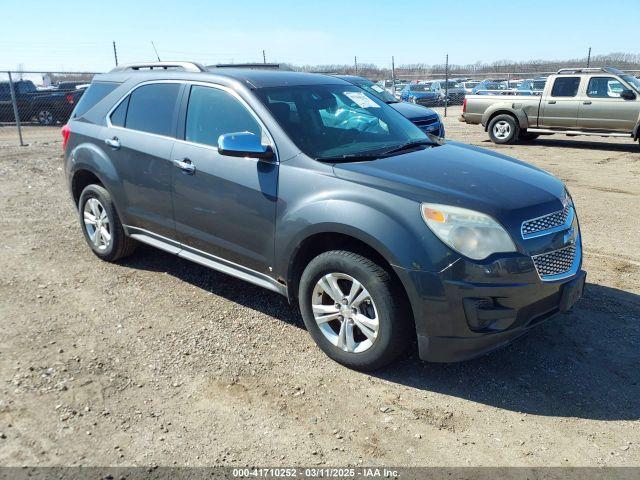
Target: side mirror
628,94
243,144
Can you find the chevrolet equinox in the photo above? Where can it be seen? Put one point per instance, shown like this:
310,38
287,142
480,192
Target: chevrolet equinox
309,186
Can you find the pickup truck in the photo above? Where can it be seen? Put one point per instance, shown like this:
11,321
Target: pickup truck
576,101
46,107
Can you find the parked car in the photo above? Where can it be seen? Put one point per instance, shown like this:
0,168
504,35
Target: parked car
469,85
489,85
532,86
419,93
374,234
46,107
575,101
425,118
450,92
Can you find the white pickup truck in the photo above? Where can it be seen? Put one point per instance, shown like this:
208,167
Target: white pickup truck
577,101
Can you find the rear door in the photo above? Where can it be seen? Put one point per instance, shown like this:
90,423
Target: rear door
560,108
602,108
141,136
224,206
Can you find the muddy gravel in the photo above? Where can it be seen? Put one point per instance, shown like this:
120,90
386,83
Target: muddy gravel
158,361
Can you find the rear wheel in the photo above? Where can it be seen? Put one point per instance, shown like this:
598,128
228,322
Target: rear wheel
353,311
503,129
101,225
45,117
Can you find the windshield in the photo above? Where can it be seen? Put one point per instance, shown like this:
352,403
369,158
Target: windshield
420,87
333,121
449,85
635,82
375,89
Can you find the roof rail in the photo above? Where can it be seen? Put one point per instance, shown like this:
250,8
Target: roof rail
184,66
258,66
580,70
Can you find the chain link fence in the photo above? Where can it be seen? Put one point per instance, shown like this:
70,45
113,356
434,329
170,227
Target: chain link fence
34,103
39,99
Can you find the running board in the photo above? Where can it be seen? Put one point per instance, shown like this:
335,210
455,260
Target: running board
580,132
207,260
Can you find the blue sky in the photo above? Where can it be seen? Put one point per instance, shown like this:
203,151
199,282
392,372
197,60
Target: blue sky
77,35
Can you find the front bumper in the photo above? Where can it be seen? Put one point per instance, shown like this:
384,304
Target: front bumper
470,308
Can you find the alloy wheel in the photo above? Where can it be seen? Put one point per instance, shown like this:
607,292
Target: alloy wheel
96,222
45,117
502,130
345,312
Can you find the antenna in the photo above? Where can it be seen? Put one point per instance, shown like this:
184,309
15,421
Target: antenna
155,50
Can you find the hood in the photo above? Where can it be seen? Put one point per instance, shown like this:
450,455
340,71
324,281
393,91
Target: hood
412,111
470,177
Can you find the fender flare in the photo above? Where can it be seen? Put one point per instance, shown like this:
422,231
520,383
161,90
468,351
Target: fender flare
88,157
503,108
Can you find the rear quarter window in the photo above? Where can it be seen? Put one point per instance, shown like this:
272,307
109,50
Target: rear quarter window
96,92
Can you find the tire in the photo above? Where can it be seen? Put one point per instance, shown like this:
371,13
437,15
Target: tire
503,129
526,136
380,303
96,199
45,116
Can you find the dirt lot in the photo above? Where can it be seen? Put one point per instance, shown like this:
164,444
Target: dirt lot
159,361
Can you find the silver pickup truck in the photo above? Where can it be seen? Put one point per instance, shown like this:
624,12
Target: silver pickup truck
576,101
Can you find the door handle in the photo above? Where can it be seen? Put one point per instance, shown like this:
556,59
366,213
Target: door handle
552,102
587,103
185,165
113,142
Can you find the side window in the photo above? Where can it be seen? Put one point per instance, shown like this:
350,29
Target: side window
213,112
565,87
119,115
151,108
604,87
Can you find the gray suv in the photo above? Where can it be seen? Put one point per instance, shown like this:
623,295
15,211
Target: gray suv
308,186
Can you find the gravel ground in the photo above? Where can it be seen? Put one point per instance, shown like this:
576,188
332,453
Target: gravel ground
157,361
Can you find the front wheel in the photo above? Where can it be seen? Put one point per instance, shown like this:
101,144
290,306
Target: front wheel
353,310
503,129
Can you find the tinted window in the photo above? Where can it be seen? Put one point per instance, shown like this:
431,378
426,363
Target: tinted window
604,87
213,112
96,92
565,87
151,108
119,115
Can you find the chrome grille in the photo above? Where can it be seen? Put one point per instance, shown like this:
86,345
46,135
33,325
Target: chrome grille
556,262
423,122
546,222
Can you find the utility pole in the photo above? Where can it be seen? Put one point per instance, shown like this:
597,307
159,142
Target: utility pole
264,57
589,58
115,52
446,84
393,74
355,63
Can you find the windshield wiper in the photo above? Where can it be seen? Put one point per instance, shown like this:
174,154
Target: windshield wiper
408,146
350,157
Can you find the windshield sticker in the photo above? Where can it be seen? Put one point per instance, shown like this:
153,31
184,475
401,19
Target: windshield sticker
361,100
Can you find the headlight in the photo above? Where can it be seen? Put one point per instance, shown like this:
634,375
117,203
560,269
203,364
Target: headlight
473,234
